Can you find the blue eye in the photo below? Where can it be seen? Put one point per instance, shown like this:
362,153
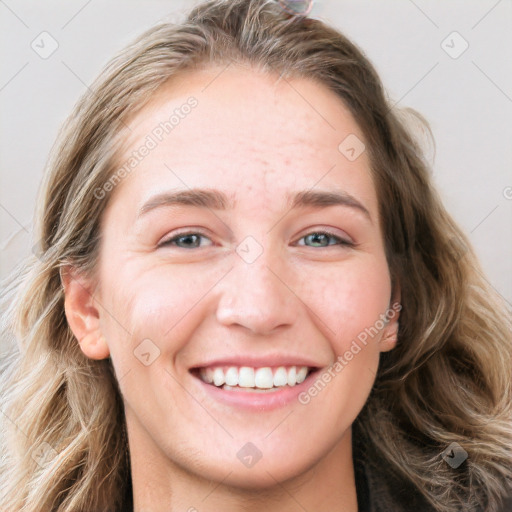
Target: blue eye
188,241
192,240
324,239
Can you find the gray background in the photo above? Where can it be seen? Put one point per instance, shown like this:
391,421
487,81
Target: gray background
466,97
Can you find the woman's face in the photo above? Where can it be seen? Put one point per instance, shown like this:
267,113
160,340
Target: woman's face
244,240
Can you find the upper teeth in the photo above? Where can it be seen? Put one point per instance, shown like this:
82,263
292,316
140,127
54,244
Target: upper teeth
248,377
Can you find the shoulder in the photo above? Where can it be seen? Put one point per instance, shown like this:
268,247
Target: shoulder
380,489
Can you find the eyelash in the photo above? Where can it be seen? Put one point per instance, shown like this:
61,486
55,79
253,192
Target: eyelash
340,241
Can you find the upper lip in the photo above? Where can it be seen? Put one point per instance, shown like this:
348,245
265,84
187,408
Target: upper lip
258,361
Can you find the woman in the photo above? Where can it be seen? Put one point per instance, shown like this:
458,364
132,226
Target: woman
248,295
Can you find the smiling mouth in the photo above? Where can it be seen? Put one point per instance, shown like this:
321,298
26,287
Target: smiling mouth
249,379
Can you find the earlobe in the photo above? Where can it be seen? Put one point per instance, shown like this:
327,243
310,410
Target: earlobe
389,337
82,315
94,346
390,333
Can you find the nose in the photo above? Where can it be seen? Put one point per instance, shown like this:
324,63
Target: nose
257,297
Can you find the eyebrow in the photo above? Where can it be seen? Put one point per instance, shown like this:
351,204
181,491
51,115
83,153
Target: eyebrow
216,200
202,198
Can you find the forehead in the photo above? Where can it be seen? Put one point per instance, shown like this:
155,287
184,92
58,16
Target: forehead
239,128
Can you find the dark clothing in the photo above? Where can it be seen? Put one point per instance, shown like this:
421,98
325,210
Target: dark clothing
378,490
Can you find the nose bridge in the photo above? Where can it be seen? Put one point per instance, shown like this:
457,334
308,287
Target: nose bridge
254,294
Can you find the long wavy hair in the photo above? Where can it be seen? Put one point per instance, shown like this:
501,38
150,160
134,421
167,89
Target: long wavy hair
64,446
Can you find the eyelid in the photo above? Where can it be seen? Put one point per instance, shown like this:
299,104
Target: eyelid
343,239
177,234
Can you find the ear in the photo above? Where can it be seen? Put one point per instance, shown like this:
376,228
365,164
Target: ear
81,313
390,331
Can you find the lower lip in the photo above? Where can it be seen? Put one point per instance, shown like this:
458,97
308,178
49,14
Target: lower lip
254,401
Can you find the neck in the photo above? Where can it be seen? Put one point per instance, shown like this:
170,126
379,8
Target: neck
159,484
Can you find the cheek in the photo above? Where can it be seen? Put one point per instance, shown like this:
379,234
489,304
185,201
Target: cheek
158,303
150,318
349,303
346,300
